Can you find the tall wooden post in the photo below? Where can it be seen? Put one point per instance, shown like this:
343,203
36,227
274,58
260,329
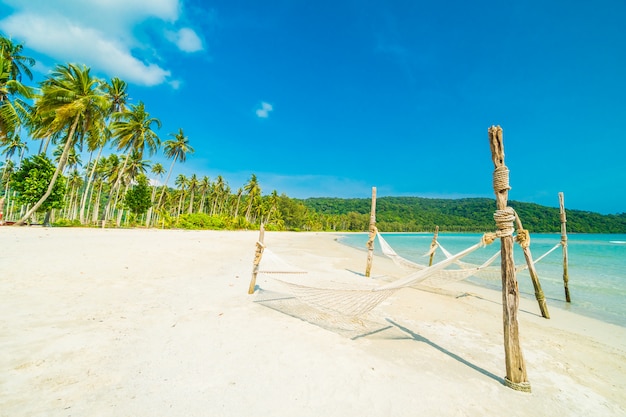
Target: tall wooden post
564,246
504,216
257,259
372,235
523,238
433,246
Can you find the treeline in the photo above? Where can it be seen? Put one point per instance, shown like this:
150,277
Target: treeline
416,214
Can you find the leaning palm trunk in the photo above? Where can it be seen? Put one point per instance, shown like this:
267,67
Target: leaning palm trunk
191,202
96,209
121,209
83,202
149,213
167,179
57,172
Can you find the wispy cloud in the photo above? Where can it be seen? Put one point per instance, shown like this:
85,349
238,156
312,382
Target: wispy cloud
108,35
186,40
264,111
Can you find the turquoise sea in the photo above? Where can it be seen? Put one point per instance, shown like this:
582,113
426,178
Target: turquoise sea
596,267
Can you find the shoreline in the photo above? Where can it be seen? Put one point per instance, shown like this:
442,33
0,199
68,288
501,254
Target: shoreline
159,323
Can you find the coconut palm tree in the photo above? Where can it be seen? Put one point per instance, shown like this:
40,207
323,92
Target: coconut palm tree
117,95
205,186
192,186
13,109
253,190
136,166
158,170
181,182
19,63
12,145
71,101
132,132
176,149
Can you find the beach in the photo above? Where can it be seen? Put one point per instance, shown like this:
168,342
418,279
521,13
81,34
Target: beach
123,322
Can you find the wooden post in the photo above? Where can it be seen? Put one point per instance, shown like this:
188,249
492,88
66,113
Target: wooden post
564,246
433,246
257,259
372,235
523,238
504,216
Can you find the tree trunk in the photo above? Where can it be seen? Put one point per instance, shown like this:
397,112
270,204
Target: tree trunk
83,201
66,150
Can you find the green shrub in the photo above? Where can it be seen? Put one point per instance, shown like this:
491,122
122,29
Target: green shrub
66,223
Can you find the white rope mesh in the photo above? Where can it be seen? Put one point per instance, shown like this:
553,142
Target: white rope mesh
397,259
274,264
355,302
440,277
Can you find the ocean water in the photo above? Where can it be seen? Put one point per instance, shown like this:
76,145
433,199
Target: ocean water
596,267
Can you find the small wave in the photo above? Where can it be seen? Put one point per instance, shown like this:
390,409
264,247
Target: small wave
618,242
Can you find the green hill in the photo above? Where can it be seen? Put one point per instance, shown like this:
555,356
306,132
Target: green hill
417,214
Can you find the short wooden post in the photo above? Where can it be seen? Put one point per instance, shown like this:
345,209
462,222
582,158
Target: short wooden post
433,246
372,235
523,238
516,377
564,246
257,259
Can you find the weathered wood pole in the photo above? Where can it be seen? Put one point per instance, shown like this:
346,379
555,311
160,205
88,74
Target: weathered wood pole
523,238
564,246
433,246
504,216
372,235
257,259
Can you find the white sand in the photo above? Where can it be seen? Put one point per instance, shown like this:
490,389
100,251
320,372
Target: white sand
159,323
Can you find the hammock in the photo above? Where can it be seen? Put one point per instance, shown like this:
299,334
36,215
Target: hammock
353,302
442,276
495,273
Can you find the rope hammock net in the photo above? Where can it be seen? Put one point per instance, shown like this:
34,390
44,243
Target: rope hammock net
354,302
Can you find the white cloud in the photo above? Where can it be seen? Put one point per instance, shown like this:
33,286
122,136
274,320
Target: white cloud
265,110
186,40
102,34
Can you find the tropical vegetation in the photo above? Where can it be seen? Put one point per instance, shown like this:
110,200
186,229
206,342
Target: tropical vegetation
75,115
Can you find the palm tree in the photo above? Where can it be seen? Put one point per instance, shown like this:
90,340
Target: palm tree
71,100
181,182
13,109
273,203
192,185
132,130
205,186
73,157
176,149
136,166
157,169
239,194
253,190
117,96
19,63
12,145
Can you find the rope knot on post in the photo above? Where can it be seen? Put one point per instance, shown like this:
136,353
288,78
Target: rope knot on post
504,221
523,238
488,238
501,179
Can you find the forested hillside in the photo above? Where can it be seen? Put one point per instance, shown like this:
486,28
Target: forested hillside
416,214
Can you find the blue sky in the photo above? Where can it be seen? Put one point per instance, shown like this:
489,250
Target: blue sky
331,98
